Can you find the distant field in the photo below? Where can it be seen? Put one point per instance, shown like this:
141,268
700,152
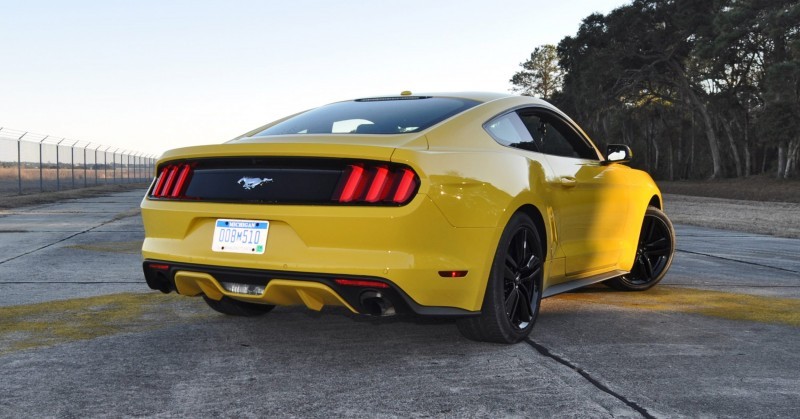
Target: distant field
17,201
56,179
755,188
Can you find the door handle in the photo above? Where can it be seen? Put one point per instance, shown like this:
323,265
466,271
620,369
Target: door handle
568,181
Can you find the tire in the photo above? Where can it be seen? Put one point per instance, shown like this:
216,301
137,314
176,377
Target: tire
233,307
514,289
654,254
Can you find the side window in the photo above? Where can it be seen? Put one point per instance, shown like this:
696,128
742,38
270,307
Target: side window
555,136
509,130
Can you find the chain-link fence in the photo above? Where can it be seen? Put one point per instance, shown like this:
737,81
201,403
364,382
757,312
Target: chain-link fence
31,163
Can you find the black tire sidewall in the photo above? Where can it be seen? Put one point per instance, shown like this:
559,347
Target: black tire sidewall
625,284
495,292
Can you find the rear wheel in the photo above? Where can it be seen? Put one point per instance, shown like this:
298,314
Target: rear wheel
653,255
514,290
238,308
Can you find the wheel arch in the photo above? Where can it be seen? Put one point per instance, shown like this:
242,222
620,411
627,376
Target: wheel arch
538,220
655,201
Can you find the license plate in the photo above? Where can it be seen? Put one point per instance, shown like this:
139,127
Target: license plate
240,236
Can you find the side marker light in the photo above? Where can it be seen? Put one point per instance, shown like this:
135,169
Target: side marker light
453,274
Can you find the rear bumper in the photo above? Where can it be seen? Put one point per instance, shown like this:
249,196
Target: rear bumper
405,247
286,288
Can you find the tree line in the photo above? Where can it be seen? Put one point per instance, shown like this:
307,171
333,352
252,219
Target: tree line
698,88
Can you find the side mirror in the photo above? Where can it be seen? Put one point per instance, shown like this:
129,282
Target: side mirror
618,153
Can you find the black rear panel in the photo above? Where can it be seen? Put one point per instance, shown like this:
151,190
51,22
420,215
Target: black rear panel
277,180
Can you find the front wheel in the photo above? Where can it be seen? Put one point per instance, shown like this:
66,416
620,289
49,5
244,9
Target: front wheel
653,254
514,289
238,308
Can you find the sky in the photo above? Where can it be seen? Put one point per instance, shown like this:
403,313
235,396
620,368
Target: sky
149,76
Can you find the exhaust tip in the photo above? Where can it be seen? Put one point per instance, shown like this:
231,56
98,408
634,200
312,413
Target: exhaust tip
158,281
375,304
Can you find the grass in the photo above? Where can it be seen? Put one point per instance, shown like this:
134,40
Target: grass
49,173
56,322
726,305
17,201
753,188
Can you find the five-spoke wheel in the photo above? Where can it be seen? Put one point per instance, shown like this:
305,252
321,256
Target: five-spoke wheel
514,290
653,254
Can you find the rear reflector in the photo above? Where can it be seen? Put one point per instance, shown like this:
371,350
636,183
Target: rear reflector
452,274
158,266
361,283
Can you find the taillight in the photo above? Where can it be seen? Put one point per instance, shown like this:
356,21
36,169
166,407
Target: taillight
172,181
376,183
354,184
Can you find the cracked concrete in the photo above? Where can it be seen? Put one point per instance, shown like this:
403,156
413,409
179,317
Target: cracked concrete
81,335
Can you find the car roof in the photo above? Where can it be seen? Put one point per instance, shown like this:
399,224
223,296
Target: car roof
476,96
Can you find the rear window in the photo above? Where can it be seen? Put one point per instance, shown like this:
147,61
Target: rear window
391,115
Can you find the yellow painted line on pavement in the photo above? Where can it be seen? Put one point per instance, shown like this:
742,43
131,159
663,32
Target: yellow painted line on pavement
55,322
726,305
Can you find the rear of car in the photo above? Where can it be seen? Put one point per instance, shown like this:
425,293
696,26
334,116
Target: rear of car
318,209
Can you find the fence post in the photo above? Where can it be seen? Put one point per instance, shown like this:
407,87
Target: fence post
58,165
95,163
84,163
19,162
41,162
114,164
125,167
105,165
72,162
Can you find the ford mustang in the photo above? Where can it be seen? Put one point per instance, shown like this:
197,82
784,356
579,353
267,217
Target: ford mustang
469,205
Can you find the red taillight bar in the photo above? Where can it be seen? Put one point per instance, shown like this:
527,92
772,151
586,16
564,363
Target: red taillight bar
162,178
377,184
353,183
406,186
172,181
184,174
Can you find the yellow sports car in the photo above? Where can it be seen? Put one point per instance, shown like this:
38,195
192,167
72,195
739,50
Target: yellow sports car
470,205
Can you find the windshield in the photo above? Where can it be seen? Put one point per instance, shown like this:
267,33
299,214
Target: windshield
391,115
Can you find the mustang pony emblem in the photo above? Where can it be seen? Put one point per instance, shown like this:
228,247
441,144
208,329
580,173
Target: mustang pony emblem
252,182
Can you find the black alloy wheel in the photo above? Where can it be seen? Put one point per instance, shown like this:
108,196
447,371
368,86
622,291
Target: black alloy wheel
521,275
514,290
654,254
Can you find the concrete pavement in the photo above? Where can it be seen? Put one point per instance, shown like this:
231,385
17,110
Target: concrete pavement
81,335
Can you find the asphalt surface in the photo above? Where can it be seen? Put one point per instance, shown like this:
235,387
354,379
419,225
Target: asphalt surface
82,336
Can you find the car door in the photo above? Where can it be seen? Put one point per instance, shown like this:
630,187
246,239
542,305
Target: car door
589,202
